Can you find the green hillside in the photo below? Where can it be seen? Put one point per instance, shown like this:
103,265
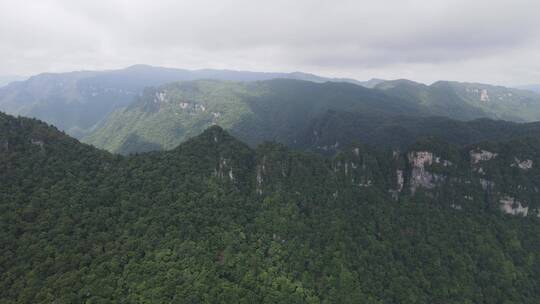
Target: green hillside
215,221
76,101
467,101
314,116
332,131
278,109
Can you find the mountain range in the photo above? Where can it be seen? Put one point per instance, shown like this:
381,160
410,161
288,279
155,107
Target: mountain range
315,116
100,107
156,185
77,101
215,220
7,79
531,87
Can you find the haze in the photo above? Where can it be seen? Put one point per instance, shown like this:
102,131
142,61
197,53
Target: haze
483,41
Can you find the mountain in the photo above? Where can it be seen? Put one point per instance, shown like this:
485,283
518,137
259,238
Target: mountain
216,221
467,101
332,131
531,87
5,80
80,102
372,83
75,102
275,109
305,115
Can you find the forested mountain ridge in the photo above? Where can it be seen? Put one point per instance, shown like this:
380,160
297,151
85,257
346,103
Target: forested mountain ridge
333,130
276,109
530,87
5,79
465,101
76,101
95,104
215,221
299,114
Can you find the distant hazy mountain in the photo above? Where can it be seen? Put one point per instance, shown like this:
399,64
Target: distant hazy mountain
80,103
76,101
531,87
468,100
372,82
6,79
315,116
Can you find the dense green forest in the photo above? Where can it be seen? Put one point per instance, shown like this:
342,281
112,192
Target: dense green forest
215,221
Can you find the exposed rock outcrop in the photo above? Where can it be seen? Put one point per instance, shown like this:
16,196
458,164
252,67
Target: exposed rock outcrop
37,142
481,156
510,205
524,165
484,96
487,185
160,97
420,176
260,170
223,169
400,180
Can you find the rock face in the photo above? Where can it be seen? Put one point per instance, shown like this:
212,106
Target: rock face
37,142
261,169
420,177
481,156
419,159
400,180
524,165
487,185
160,97
484,96
466,178
510,205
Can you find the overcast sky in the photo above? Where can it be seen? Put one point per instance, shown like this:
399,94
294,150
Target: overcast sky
491,41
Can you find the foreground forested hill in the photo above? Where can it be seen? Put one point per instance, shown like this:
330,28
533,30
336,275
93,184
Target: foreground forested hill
214,221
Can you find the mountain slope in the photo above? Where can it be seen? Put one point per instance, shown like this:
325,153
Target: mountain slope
303,115
5,80
531,87
216,221
254,111
332,131
467,101
75,102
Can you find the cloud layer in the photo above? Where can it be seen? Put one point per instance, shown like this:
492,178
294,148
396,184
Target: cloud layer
475,40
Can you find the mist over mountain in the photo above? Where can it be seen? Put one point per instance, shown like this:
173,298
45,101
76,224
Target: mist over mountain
5,80
531,87
288,110
75,102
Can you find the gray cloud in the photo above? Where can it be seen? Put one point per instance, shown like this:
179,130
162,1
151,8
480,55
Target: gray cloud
474,40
